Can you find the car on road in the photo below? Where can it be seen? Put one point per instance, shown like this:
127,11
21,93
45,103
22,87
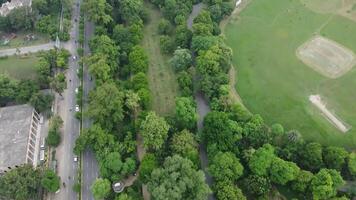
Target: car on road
76,90
77,108
75,158
74,57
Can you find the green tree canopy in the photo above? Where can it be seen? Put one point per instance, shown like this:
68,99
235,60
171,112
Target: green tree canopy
184,144
21,183
226,190
178,179
261,160
138,60
186,113
352,163
101,188
282,171
181,60
98,11
325,183
334,157
226,167
310,157
154,130
50,181
302,181
148,164
106,105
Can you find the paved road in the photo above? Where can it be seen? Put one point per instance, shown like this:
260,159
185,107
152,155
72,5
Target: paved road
29,49
67,168
203,109
90,165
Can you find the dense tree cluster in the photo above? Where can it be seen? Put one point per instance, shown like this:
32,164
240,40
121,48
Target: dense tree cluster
25,182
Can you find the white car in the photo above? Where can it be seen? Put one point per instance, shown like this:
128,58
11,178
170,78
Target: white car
75,159
74,57
76,90
76,108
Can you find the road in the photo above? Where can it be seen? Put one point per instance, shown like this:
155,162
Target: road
90,165
67,168
29,49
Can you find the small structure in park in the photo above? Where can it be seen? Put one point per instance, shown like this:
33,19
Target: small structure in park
238,2
118,187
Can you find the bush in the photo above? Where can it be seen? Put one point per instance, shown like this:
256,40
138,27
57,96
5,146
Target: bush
167,44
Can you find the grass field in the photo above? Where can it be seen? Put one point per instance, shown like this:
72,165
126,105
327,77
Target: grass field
162,80
20,41
19,67
273,82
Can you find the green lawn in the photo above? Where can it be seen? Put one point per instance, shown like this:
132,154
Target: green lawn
162,80
274,83
19,67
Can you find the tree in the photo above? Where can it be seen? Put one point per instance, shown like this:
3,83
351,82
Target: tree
261,160
257,185
282,171
181,60
166,43
178,179
256,133
310,157
50,181
138,60
222,131
25,89
334,157
148,164
132,102
8,88
41,102
302,181
226,190
226,167
186,113
59,83
101,188
203,25
54,136
185,82
97,11
106,105
185,145
130,10
154,130
183,36
324,184
352,163
99,68
104,45
164,27
21,183
112,166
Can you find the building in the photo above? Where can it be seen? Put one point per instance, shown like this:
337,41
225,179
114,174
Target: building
19,136
7,7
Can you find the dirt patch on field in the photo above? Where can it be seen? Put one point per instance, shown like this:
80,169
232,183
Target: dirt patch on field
331,117
326,57
346,8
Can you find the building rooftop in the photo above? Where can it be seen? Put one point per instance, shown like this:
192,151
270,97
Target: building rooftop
15,123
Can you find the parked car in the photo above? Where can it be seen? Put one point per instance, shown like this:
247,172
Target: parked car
76,108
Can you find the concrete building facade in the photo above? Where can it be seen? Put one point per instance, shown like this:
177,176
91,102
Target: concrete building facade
19,136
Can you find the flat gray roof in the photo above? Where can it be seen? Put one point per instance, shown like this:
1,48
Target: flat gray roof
15,123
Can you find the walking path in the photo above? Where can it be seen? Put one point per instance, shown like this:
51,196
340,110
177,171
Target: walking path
26,50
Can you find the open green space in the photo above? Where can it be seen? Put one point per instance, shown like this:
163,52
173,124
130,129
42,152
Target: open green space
21,41
162,80
19,67
273,82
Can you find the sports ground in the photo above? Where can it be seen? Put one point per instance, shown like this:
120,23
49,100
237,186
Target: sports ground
287,50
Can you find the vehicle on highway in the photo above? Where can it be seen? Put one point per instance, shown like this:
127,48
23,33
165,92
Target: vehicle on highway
75,159
77,108
76,90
